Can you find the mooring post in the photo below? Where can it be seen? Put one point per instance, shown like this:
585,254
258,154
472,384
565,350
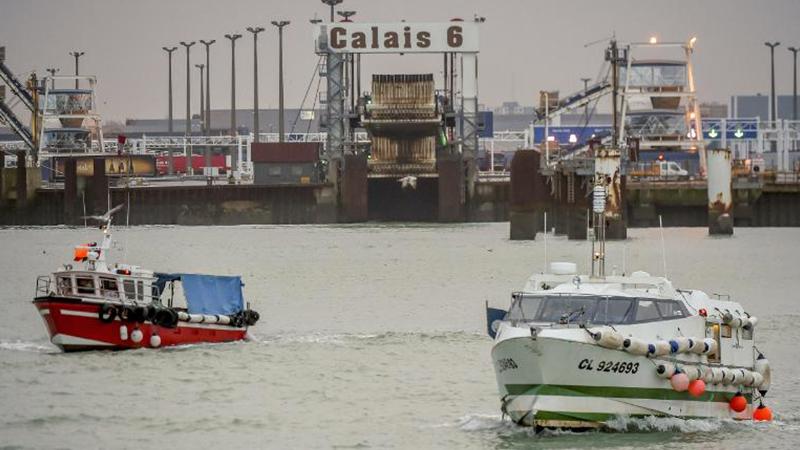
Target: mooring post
22,179
99,186
70,190
720,199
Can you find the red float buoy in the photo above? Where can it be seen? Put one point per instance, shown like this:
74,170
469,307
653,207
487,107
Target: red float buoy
762,414
738,403
697,388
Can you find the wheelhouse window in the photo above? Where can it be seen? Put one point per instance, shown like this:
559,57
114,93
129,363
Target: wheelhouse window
647,310
64,285
130,289
84,285
108,287
614,310
592,309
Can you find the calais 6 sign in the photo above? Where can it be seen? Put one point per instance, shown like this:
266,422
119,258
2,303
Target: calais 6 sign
400,37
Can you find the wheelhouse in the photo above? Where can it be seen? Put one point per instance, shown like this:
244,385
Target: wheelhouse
121,284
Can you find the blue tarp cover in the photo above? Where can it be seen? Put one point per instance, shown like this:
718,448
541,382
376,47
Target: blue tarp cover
207,294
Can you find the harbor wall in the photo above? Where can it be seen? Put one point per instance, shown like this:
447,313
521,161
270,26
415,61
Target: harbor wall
186,205
679,204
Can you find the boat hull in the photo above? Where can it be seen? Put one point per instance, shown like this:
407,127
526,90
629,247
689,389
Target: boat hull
549,382
75,325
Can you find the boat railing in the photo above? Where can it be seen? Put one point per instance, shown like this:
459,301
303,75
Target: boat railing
43,283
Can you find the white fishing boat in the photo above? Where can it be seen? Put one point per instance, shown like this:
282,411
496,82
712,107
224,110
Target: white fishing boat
575,351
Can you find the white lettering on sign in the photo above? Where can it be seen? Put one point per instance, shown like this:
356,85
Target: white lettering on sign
403,37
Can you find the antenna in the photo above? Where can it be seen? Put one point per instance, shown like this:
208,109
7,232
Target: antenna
663,248
624,251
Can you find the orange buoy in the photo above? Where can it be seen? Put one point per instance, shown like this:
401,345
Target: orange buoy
697,388
738,403
762,414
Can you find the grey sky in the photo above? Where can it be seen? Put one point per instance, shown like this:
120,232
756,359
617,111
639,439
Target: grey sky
526,46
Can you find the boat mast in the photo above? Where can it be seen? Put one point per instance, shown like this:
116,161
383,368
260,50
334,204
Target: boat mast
599,227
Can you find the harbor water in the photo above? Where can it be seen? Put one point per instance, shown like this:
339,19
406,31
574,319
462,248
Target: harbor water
371,336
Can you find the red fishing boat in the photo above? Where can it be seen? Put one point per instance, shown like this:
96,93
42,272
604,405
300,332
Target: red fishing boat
97,306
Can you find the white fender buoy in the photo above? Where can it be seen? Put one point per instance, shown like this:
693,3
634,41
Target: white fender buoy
665,370
747,377
762,367
736,322
155,340
710,346
137,336
682,344
692,372
727,317
195,318
708,374
607,337
758,380
750,323
697,346
123,332
728,376
662,348
224,320
209,318
717,375
635,346
183,316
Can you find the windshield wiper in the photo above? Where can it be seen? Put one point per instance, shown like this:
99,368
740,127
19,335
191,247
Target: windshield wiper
567,317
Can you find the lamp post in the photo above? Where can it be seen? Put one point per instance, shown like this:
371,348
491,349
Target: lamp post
772,46
332,3
207,115
255,31
52,71
280,25
794,51
77,56
233,38
202,100
169,51
349,69
188,46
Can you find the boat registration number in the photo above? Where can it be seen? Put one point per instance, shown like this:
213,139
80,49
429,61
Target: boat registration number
609,366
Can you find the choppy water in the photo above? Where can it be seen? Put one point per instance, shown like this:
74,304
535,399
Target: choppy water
371,337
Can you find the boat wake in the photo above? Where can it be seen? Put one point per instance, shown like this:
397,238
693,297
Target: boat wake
26,346
496,424
667,424
349,338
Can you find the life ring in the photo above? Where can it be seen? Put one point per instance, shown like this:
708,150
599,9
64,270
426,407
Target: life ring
107,313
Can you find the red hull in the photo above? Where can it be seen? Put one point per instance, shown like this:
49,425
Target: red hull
75,325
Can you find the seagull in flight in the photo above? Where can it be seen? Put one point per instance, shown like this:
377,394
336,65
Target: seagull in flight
105,217
408,182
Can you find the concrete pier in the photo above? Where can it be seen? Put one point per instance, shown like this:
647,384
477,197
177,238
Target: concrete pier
720,200
530,196
2,178
450,189
354,189
22,179
70,191
99,187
